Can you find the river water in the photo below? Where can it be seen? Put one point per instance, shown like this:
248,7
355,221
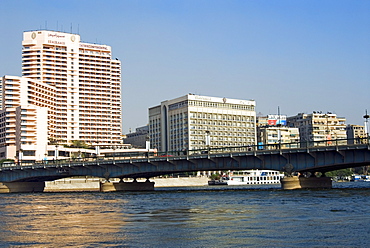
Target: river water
218,216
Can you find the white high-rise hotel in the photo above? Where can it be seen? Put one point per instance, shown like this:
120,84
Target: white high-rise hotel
69,90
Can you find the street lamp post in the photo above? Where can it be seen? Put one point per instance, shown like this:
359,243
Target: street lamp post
114,152
327,129
19,156
147,144
97,151
208,140
278,124
366,126
56,152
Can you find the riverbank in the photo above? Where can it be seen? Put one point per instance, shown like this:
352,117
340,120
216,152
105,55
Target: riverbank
180,182
93,184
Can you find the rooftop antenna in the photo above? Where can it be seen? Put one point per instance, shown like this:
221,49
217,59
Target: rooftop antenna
57,25
71,27
46,25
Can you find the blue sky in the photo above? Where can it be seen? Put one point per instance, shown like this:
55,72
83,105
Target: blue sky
300,55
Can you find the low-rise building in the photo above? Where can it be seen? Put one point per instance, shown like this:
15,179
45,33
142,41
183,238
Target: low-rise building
272,137
273,133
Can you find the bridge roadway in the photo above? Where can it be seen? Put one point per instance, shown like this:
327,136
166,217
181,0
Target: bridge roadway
309,159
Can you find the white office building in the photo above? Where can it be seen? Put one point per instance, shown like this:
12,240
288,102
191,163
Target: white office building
195,122
69,90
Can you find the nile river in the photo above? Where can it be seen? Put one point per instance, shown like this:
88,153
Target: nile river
190,217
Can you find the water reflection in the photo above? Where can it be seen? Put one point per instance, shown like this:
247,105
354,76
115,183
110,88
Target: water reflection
57,220
203,217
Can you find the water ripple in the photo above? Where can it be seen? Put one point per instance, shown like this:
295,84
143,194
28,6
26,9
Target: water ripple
197,217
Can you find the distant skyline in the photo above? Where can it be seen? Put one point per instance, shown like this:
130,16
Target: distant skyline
302,56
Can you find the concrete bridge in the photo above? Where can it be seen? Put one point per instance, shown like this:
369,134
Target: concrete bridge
303,160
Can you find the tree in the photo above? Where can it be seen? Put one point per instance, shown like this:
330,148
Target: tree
79,144
216,176
340,173
6,160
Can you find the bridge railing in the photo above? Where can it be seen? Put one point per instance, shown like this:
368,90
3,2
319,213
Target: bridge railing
279,146
208,150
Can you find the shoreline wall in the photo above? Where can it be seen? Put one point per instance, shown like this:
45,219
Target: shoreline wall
93,184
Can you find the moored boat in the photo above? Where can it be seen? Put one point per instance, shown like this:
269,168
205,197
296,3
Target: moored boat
254,177
217,182
360,178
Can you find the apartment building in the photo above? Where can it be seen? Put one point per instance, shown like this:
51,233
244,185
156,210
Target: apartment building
355,133
271,137
27,115
77,85
318,126
197,122
272,132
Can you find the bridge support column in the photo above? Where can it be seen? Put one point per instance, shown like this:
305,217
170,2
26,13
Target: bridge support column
127,186
296,182
22,187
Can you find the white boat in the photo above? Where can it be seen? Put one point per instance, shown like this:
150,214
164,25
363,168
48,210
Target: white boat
254,177
361,178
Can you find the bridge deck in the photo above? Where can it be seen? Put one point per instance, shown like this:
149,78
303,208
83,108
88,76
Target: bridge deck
308,159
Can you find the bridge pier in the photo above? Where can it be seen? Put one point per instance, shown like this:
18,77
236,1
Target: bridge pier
22,187
296,182
127,186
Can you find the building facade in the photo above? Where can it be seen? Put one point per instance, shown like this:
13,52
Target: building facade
194,122
271,120
355,133
317,126
272,132
87,85
272,137
28,113
77,85
138,138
